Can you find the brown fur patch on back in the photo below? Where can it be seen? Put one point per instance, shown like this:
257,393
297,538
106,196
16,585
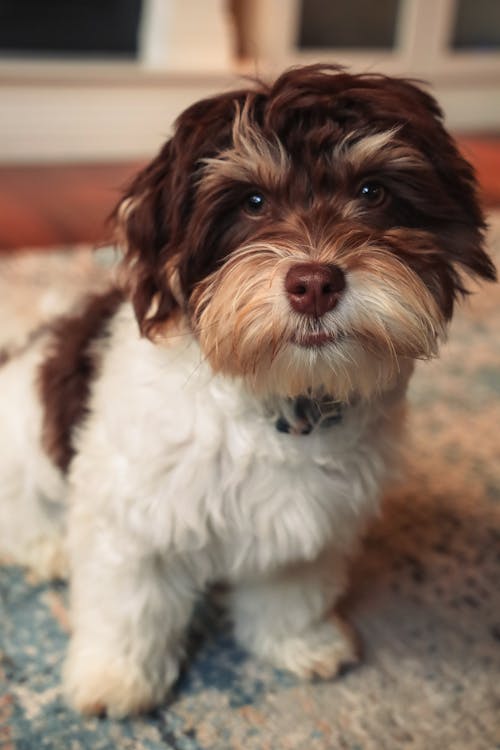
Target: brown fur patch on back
66,374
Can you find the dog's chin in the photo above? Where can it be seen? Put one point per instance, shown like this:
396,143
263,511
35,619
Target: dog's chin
323,363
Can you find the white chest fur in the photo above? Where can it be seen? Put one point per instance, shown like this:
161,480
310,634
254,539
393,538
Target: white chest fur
186,461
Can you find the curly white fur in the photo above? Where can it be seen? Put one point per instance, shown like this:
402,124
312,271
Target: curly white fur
190,483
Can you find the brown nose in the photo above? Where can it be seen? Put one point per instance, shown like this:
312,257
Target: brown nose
314,289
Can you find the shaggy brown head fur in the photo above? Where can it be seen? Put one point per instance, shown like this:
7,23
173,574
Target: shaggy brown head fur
310,232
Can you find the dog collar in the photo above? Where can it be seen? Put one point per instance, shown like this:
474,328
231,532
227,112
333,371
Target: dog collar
302,415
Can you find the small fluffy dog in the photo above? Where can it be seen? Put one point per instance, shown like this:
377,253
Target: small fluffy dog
230,411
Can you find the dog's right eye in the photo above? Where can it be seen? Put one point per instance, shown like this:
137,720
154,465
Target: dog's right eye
372,193
254,203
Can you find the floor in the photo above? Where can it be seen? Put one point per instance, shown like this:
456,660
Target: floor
43,206
424,594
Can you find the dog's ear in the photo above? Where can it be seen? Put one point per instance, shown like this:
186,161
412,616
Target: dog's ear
151,218
143,219
462,221
458,213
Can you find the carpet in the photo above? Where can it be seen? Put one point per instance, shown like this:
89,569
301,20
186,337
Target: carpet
424,593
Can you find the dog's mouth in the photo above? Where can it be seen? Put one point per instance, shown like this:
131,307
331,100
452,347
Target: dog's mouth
314,340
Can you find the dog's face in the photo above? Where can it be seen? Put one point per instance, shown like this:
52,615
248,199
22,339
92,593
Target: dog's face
312,233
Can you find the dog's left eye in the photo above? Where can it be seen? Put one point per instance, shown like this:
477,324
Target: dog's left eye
254,203
372,193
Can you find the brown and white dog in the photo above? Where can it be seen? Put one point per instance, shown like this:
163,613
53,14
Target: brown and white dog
232,411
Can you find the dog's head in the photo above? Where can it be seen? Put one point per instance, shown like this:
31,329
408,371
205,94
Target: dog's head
311,233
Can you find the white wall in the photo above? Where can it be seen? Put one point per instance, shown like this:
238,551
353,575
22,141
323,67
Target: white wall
56,111
47,117
70,111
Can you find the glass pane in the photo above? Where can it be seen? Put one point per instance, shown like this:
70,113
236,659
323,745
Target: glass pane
69,27
348,23
477,25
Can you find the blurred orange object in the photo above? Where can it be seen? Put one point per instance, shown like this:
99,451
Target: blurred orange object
43,206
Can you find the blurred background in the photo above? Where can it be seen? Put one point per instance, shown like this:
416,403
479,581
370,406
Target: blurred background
89,88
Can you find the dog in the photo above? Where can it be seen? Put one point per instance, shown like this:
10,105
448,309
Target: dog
232,408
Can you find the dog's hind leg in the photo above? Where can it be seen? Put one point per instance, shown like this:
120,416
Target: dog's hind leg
32,489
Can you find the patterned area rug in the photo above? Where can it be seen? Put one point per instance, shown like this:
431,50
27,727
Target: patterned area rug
424,592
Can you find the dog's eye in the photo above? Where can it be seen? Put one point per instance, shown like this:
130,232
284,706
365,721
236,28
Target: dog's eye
372,193
254,203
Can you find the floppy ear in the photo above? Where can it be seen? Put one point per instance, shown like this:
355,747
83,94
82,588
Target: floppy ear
463,231
152,216
459,214
143,219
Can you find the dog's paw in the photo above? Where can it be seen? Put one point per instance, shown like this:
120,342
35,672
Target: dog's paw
323,651
99,685
46,558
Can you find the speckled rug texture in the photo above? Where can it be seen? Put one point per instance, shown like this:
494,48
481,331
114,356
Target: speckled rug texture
424,595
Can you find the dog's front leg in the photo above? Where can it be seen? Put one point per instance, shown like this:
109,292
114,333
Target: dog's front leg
129,614
286,618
